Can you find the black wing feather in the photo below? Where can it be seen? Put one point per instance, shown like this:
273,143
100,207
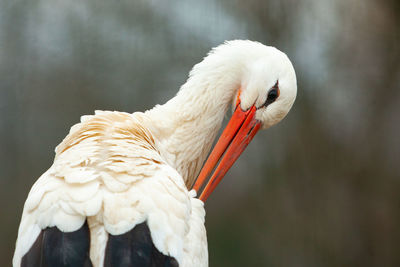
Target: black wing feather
56,248
135,248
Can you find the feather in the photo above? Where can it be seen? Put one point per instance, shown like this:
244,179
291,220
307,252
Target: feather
56,248
135,248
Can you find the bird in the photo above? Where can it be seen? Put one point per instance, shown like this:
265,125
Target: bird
124,188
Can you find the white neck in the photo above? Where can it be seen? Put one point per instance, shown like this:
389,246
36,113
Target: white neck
186,125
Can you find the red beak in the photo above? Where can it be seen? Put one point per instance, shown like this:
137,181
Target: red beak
240,130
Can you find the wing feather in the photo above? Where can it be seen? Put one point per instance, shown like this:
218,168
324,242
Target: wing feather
56,248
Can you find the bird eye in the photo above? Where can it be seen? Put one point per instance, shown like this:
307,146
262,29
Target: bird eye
272,94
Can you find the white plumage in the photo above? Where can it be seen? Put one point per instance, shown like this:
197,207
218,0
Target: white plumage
116,170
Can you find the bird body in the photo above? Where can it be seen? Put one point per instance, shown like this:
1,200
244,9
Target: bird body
108,171
116,172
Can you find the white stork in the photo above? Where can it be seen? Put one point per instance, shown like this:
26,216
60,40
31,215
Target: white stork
119,190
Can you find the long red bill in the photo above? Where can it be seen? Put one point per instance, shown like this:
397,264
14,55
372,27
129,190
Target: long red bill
240,130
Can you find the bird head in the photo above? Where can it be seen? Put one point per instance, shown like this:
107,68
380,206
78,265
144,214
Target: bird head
267,91
268,85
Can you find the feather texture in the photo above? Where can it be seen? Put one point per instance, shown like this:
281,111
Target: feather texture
109,172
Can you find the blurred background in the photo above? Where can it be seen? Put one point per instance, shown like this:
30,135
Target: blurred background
319,189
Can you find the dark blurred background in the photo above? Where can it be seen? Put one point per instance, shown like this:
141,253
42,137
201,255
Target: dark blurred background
319,189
